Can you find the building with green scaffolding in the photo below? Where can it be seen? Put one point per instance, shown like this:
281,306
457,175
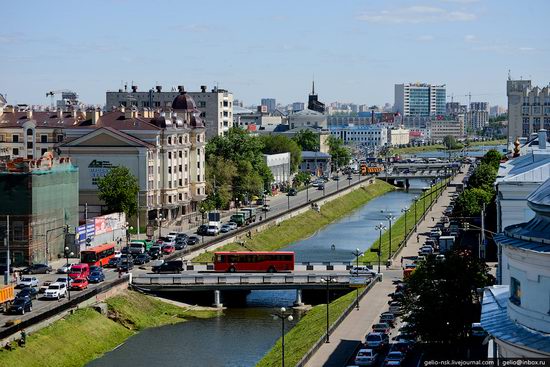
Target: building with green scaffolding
39,208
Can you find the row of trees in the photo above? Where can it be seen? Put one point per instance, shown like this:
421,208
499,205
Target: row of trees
480,186
235,167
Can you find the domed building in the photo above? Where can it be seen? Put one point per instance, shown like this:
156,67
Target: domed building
516,314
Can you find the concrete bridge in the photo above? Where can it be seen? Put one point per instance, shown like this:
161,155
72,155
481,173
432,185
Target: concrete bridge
193,281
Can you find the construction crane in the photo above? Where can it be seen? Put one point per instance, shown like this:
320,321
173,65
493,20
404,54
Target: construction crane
52,94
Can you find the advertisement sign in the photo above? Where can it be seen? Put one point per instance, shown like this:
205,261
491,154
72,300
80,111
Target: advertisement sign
108,223
85,234
99,169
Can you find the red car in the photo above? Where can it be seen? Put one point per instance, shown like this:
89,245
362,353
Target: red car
168,249
79,284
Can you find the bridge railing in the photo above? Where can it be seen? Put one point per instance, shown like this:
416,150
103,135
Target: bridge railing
234,279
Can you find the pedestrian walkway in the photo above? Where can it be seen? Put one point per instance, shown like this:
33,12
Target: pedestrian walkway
358,323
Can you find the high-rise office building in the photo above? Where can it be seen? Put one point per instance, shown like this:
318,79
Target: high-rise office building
270,103
420,99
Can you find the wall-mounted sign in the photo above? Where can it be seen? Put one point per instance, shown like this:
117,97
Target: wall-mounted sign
99,169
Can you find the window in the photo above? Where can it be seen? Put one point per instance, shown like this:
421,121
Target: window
180,154
59,138
198,164
43,138
15,138
18,231
169,155
15,151
1,137
198,178
181,184
43,151
181,140
202,104
515,291
29,132
169,140
181,196
29,145
169,169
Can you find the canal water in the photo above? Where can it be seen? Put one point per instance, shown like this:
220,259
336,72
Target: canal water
242,336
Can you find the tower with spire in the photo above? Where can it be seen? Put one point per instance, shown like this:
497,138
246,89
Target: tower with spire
313,101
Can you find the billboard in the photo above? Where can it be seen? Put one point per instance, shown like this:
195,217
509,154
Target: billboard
108,223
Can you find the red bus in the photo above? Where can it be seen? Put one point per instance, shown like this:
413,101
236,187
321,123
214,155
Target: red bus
99,255
260,261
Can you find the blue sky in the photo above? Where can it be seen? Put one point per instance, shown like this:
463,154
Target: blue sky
357,50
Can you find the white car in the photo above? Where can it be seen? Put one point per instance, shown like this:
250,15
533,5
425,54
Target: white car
362,270
232,225
56,290
366,357
172,235
213,230
27,282
118,254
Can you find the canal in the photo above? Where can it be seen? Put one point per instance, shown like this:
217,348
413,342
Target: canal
242,336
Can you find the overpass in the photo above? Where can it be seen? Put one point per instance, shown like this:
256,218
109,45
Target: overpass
313,279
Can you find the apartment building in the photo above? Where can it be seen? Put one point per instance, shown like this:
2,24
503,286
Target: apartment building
165,151
216,106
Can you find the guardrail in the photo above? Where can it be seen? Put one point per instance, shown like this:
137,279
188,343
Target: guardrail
75,301
244,229
302,362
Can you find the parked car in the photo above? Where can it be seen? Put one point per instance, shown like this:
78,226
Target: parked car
321,186
395,308
37,269
477,330
381,327
113,262
21,305
79,284
225,228
27,282
292,192
266,207
168,249
56,290
388,318
175,266
213,230
366,357
201,231
29,292
96,277
142,259
181,236
44,286
64,269
193,240
64,280
233,225
394,358
402,346
376,340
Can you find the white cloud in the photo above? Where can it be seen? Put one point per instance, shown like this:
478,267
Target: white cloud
461,1
527,49
425,38
469,38
416,14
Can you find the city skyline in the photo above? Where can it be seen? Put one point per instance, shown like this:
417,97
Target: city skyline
468,45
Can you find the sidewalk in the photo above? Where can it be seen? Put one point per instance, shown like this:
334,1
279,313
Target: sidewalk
357,324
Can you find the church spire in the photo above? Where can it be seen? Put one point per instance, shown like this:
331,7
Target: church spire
313,87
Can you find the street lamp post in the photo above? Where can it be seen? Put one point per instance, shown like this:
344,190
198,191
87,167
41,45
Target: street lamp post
128,229
160,219
380,227
307,190
282,315
415,219
390,218
328,280
67,255
405,210
357,253
288,198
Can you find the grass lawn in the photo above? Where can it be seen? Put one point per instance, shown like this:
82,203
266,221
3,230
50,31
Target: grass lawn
86,334
490,142
306,332
398,227
306,224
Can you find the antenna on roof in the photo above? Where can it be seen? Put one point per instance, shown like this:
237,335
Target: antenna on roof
509,75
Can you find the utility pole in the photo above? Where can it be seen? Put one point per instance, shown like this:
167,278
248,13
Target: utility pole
137,220
7,279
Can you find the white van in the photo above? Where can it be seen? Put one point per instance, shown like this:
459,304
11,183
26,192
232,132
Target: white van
136,248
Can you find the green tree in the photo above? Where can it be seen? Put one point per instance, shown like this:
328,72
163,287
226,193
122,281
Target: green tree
118,190
492,158
340,154
470,202
307,140
220,173
450,142
441,300
274,144
483,177
301,178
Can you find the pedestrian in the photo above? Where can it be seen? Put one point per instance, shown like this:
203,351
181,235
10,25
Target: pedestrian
433,219
119,273
417,238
